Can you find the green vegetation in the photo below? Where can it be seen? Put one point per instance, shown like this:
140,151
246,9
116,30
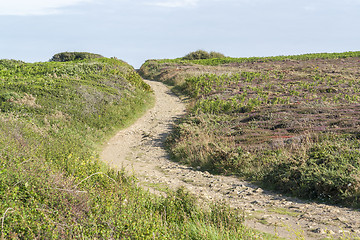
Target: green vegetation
284,211
228,60
73,56
52,185
201,54
290,123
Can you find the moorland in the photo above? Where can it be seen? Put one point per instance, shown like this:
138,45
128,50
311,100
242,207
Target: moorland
288,123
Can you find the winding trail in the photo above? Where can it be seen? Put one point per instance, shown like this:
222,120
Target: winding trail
139,149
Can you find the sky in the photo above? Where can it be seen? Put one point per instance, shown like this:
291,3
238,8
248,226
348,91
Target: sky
137,30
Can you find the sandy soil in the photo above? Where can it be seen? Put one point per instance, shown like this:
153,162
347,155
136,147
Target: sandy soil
139,149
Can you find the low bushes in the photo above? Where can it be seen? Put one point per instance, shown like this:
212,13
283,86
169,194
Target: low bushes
201,54
73,56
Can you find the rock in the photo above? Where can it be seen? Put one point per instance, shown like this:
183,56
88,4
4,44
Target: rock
341,219
319,230
258,190
306,215
256,202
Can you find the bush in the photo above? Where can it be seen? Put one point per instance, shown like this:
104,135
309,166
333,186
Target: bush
216,55
328,171
73,56
201,54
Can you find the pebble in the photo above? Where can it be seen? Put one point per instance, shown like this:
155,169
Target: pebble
256,202
319,230
259,190
341,219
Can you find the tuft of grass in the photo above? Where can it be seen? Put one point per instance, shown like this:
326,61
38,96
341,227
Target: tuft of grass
284,211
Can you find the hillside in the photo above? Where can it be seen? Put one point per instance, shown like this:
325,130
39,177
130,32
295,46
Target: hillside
288,123
54,116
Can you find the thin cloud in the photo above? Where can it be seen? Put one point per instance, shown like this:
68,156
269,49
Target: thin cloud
176,3
36,7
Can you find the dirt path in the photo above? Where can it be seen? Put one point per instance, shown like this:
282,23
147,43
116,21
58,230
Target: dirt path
139,149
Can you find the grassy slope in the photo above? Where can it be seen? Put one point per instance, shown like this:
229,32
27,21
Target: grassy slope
288,122
51,183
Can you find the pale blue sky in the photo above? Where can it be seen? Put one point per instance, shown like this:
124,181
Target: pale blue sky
136,30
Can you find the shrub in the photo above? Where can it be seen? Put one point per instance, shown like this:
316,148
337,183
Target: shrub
201,54
73,56
216,55
328,171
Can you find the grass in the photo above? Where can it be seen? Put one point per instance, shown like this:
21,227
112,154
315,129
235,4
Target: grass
289,123
199,59
53,118
284,211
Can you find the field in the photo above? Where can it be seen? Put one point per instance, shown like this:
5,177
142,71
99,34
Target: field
289,123
54,117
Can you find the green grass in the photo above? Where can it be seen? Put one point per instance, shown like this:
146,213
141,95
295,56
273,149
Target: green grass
284,211
227,60
289,123
53,117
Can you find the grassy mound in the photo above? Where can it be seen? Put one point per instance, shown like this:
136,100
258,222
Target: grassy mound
289,123
201,54
73,56
52,185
